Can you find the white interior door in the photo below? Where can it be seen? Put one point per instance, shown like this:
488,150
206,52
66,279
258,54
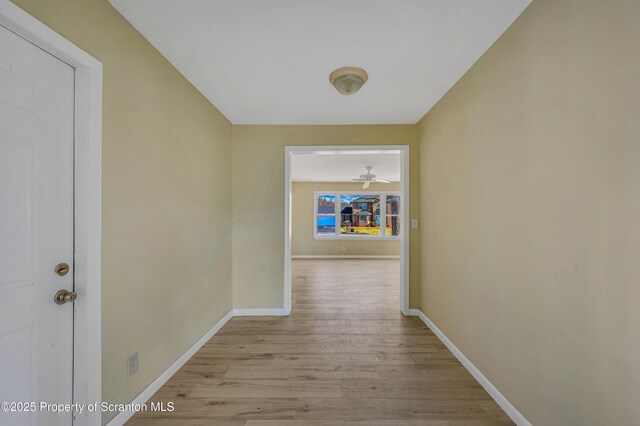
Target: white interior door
36,230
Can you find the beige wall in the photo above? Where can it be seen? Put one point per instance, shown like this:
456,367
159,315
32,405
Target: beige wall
166,198
302,205
258,201
531,206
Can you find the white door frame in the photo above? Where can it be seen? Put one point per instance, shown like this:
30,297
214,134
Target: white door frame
87,368
289,151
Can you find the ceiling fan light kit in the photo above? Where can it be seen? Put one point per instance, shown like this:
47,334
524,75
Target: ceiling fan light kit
348,80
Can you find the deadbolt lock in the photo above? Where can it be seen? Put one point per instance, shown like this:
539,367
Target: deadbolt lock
64,296
62,269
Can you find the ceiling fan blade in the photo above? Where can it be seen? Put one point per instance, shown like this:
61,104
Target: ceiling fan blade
382,181
359,180
366,184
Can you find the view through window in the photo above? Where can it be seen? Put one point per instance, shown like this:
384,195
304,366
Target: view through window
345,215
326,214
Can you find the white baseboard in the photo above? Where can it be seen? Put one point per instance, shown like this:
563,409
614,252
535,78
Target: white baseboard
343,256
144,396
500,399
266,312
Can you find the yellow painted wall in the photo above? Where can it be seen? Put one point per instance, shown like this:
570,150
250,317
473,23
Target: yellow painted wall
531,213
258,201
302,205
166,249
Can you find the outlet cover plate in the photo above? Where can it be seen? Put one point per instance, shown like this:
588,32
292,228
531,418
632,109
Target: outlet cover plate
132,364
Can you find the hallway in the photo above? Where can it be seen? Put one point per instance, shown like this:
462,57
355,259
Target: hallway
345,356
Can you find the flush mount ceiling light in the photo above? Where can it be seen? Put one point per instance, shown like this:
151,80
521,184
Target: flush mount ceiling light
348,80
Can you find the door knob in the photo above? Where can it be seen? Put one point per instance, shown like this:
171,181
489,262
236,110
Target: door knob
64,296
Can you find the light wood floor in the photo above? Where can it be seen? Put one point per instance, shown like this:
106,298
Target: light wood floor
344,356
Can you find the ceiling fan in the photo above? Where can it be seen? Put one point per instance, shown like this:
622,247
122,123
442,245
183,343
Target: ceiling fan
368,178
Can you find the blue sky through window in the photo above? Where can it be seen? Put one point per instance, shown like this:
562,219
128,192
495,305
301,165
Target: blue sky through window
326,220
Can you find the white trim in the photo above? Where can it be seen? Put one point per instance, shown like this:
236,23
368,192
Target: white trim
87,381
348,149
144,396
404,194
498,397
404,232
259,312
287,231
343,237
343,256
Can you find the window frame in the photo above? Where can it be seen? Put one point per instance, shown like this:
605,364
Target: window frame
383,216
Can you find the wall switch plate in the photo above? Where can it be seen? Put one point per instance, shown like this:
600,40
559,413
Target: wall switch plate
132,364
414,223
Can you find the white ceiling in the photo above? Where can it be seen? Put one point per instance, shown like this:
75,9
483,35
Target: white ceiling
268,62
343,166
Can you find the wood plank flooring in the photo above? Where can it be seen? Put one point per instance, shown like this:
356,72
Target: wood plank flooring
345,356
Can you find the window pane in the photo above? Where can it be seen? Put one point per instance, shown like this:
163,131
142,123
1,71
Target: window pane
346,214
393,204
326,225
357,214
326,204
393,225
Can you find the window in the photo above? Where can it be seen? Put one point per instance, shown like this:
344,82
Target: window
325,214
362,208
393,215
357,215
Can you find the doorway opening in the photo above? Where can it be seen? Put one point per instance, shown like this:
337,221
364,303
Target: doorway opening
347,209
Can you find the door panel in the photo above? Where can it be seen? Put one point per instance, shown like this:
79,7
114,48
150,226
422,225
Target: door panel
16,171
36,229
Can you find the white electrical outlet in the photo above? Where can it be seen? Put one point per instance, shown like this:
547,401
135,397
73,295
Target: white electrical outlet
132,364
414,223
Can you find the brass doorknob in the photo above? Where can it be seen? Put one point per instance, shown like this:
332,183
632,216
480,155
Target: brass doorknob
64,296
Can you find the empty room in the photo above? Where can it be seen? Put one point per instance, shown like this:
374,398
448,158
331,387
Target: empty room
319,212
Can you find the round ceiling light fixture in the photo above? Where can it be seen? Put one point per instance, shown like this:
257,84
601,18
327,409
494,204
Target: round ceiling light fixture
348,80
